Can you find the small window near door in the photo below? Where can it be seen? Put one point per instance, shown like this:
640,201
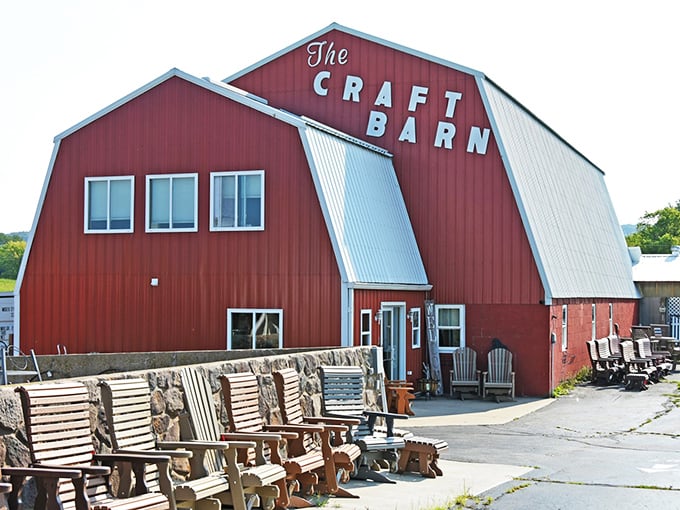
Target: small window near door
414,315
254,329
366,321
565,341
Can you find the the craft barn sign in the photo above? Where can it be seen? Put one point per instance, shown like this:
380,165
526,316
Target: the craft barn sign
323,53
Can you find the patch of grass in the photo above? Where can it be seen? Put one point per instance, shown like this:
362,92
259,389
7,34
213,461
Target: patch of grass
565,387
7,285
468,501
517,487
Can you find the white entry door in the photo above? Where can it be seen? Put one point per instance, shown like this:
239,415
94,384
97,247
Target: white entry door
393,339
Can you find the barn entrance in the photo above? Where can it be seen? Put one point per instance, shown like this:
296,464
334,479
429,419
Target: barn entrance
393,339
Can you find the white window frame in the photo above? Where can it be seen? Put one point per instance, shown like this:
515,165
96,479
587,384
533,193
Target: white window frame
565,320
214,206
366,337
108,229
593,318
416,326
254,312
171,177
461,308
611,318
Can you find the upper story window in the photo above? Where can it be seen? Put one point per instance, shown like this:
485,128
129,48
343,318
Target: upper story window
254,329
237,200
172,203
450,322
109,205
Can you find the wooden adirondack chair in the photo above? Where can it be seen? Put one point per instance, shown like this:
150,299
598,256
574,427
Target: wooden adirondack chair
127,403
47,481
338,454
266,480
464,375
343,397
241,399
499,379
57,419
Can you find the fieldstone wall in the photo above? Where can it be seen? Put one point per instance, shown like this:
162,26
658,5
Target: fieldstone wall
167,397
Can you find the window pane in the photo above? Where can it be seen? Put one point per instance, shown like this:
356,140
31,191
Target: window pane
160,203
120,204
449,317
97,195
449,338
226,199
242,331
183,202
267,331
250,190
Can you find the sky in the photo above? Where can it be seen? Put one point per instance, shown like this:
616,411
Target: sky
603,75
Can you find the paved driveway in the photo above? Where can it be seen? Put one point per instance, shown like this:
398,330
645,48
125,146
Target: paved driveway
599,447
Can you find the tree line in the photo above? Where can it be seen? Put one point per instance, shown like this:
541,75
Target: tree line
657,231
12,247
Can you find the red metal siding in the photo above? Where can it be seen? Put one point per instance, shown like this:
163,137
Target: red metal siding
461,205
372,300
92,292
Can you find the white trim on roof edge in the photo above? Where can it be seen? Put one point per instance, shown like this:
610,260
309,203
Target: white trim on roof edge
362,35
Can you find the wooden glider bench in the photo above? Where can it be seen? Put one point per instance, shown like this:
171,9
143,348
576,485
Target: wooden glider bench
343,390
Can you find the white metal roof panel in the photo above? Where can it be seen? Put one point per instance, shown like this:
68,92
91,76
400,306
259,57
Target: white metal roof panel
364,210
657,268
568,215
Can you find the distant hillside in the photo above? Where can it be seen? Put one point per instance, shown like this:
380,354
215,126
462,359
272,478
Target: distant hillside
628,229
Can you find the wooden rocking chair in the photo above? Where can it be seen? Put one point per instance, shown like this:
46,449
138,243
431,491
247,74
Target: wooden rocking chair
464,375
241,399
338,454
499,379
266,480
57,419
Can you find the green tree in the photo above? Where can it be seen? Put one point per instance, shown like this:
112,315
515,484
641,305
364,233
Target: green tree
657,231
10,258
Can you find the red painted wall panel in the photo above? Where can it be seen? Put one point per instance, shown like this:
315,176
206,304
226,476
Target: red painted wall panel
461,205
92,292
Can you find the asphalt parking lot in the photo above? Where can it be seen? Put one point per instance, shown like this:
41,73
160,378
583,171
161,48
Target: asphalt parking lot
598,447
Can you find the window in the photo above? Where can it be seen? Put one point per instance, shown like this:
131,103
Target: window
414,314
450,322
565,343
366,322
109,204
611,319
254,329
171,203
237,200
593,319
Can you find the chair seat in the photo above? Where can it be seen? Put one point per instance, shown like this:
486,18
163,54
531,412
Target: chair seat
376,443
207,486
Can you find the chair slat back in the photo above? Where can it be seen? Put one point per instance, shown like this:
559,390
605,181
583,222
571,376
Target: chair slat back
614,345
644,347
241,397
499,365
287,384
127,403
464,364
202,416
57,419
342,389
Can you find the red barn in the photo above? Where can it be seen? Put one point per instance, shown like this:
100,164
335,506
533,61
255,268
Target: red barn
426,180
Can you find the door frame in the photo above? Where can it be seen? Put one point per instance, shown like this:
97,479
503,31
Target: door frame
400,319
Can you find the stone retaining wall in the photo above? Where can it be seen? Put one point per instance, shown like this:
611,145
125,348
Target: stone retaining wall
167,402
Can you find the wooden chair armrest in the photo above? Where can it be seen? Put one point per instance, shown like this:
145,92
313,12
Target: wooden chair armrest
42,472
84,470
201,445
251,436
298,428
149,457
381,414
326,420
333,427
